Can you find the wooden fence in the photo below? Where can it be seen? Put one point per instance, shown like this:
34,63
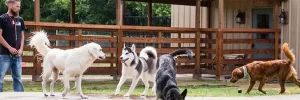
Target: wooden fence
114,38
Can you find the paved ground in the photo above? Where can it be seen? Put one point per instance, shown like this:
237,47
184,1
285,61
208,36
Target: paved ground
39,96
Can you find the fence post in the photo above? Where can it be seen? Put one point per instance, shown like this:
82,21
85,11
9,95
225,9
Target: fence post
276,47
219,55
197,72
36,65
119,51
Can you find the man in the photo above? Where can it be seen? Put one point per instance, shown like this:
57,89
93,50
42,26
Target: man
11,44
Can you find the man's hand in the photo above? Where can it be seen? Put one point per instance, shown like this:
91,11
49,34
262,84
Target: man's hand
20,51
13,51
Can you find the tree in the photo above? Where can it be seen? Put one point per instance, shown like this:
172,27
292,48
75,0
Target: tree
86,11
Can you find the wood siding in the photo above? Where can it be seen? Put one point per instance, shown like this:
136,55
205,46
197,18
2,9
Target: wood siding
290,32
184,16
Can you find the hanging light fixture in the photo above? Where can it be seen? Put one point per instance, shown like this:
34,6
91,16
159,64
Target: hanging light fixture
240,17
282,17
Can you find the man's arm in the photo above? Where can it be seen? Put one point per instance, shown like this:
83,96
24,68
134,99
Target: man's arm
22,41
23,27
3,42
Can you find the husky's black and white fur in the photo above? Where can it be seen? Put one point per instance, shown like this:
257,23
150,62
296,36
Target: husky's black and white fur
166,85
136,67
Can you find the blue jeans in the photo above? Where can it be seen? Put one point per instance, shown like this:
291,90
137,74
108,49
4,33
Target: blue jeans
14,64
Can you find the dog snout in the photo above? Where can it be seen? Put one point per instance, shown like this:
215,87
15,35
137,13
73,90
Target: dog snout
121,58
233,81
101,57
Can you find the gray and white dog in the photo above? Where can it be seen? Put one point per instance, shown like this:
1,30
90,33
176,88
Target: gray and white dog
166,85
138,67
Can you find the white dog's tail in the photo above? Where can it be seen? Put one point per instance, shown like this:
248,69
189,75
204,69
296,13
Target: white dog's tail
40,41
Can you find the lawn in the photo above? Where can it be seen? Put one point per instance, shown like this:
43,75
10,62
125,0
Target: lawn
205,88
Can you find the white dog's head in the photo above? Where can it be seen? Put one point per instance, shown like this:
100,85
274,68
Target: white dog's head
127,54
95,50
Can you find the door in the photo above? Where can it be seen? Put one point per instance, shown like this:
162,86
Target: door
262,18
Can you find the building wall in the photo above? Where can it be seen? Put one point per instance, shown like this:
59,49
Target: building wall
231,8
184,16
290,32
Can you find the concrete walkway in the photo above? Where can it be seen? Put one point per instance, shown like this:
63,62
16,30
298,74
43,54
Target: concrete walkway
40,96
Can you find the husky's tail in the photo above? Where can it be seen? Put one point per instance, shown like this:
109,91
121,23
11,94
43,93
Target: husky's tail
182,52
40,41
150,55
285,48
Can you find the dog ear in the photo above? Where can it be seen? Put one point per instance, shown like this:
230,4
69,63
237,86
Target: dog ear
93,51
124,46
133,47
240,74
183,94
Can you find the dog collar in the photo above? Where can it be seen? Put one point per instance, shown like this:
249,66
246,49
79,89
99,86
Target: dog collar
245,71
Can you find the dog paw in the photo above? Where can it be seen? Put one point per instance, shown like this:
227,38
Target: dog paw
264,92
64,94
153,90
52,95
46,95
84,97
143,95
116,94
282,93
126,96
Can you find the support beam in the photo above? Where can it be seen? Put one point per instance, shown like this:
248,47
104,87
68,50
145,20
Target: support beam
37,14
72,12
72,20
149,12
219,60
119,22
197,73
119,11
275,26
36,65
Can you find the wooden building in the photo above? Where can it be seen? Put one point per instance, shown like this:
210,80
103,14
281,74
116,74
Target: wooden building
255,13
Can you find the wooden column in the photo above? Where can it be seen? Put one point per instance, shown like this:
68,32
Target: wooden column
219,42
275,26
72,11
79,34
119,22
37,14
159,38
36,65
72,20
197,73
149,12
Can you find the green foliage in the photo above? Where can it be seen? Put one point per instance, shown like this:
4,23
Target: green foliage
86,11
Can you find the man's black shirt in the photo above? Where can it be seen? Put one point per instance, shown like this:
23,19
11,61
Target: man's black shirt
9,24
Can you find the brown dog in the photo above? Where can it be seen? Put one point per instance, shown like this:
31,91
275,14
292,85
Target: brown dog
264,70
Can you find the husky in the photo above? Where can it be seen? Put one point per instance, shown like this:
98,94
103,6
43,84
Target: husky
136,67
165,79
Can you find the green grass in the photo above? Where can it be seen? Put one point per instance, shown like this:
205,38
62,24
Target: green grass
195,88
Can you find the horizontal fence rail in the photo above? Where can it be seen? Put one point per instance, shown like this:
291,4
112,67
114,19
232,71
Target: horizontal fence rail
164,39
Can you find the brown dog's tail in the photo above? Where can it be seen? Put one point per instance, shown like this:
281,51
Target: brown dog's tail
285,48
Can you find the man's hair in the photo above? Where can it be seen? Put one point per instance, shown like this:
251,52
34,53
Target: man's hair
11,1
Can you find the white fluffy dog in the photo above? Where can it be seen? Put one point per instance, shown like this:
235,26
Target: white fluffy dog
71,62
